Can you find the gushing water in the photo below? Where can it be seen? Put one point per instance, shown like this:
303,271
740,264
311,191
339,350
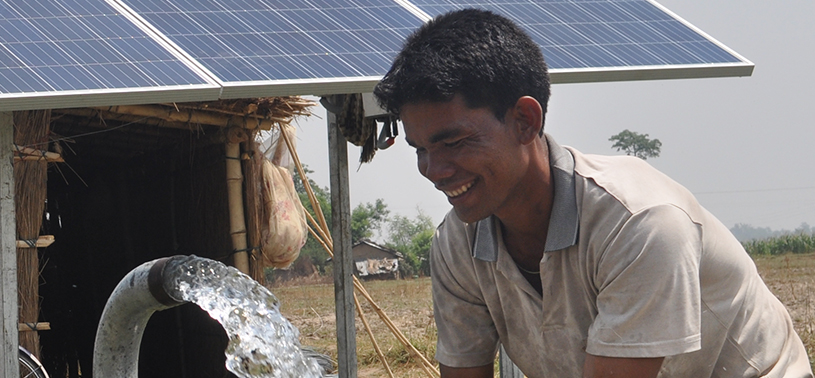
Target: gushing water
262,343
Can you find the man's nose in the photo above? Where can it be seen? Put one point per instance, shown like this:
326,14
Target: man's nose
436,167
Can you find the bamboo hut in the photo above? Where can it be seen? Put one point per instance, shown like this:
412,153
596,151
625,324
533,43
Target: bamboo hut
125,185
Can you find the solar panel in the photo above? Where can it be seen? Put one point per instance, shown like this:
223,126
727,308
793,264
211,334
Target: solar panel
615,40
72,53
83,47
257,47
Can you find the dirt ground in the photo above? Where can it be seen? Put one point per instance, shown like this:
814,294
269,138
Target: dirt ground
310,307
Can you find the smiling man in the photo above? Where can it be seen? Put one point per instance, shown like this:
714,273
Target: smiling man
579,265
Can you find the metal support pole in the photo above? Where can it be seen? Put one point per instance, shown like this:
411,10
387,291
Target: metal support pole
506,367
343,260
8,251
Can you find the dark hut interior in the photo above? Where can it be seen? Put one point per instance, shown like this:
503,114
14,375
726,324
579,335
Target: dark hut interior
132,189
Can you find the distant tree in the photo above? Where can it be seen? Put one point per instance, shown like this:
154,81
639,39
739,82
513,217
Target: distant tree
636,144
804,228
745,232
412,237
367,218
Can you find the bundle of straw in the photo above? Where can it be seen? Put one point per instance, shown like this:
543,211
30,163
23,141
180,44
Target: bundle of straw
31,129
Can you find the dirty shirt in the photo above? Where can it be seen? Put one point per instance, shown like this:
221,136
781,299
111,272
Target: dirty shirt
633,267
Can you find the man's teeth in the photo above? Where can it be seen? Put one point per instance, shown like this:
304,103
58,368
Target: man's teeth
459,191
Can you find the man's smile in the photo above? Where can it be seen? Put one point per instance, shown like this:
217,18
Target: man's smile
461,190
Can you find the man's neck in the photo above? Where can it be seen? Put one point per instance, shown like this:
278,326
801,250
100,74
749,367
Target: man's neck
524,226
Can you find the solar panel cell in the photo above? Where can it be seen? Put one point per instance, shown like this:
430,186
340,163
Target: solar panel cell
281,40
69,45
602,34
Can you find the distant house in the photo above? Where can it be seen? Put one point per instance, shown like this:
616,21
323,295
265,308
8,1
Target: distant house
373,261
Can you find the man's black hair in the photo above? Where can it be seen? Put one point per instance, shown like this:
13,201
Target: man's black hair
484,57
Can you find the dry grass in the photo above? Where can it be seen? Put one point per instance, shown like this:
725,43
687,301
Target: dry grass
310,307
791,278
407,302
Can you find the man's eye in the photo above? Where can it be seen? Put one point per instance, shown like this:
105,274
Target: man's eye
454,143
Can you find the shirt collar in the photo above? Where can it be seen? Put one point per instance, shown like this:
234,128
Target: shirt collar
563,222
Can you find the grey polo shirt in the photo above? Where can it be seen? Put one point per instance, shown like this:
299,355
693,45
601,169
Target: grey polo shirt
633,267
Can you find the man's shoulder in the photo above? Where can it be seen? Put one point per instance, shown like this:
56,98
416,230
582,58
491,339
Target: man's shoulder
630,181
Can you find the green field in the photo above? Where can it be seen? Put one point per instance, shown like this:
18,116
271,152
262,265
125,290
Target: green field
310,307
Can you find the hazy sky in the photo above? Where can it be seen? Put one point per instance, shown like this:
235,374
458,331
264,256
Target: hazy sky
743,146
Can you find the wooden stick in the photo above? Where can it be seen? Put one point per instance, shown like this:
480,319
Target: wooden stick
39,326
314,234
314,203
371,334
41,242
323,233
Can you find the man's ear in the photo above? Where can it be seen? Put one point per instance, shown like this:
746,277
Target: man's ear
527,117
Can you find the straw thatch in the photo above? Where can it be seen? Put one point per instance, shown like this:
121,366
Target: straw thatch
31,130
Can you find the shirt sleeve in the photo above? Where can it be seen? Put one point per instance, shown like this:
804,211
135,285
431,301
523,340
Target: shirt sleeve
466,333
649,296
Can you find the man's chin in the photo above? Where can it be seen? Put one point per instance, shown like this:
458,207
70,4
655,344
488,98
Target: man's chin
469,215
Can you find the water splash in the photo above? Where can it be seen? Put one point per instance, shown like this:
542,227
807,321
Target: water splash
262,343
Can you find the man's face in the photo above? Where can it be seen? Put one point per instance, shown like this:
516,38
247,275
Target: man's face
468,154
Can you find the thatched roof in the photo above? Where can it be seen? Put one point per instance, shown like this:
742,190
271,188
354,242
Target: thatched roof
124,131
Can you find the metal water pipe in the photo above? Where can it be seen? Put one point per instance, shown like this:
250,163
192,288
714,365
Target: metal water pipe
137,296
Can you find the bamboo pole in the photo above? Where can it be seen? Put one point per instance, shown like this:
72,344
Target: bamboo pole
190,116
373,339
426,365
311,197
328,245
252,163
158,122
234,187
359,308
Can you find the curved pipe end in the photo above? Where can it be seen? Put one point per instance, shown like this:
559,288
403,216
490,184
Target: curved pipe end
155,283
